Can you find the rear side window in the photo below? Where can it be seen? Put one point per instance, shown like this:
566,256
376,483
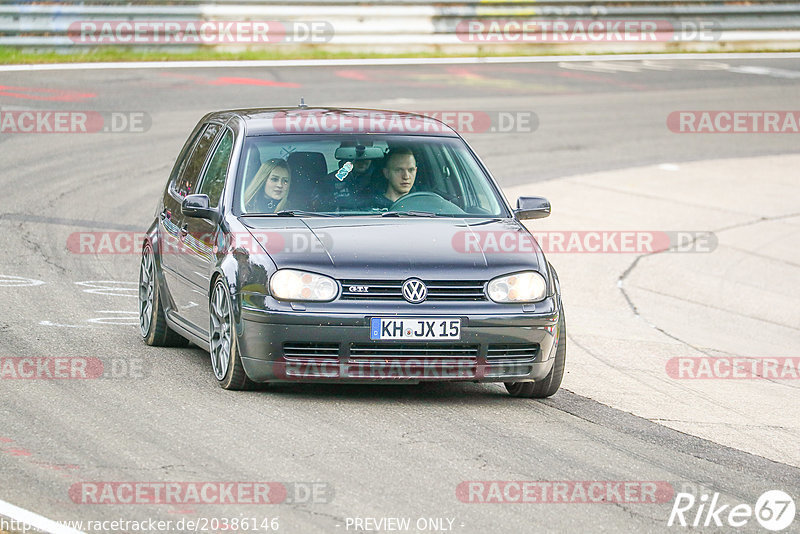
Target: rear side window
214,179
186,179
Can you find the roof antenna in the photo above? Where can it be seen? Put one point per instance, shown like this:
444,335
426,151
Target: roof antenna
302,103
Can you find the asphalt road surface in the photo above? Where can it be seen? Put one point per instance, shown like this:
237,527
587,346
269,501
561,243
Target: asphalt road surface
350,456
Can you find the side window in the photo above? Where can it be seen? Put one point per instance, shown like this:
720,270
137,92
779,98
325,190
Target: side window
214,178
183,158
478,192
427,174
446,180
186,180
464,177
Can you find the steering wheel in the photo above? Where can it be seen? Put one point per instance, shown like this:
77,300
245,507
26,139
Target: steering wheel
425,201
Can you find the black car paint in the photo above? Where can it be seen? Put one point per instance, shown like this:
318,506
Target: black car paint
363,247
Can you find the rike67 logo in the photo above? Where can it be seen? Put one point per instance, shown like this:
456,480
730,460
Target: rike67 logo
774,510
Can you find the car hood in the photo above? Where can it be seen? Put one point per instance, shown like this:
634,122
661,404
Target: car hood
397,248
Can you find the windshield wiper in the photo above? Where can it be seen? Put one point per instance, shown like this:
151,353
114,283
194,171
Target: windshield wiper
292,213
410,213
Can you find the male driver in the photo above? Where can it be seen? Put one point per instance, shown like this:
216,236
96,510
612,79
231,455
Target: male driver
400,172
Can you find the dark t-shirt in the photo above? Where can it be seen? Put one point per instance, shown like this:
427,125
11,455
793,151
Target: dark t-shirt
381,202
352,193
263,204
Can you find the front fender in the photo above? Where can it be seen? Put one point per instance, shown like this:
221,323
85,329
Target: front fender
153,237
243,273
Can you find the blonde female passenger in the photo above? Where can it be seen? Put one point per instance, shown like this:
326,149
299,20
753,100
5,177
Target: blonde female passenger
270,187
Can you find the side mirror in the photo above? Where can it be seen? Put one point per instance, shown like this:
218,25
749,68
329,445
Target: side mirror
530,208
198,206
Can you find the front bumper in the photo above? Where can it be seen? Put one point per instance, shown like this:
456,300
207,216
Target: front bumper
336,347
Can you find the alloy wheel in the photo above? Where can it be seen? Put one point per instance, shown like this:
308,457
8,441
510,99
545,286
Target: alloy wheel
221,334
146,291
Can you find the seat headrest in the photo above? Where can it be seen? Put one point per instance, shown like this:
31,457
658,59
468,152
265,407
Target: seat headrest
307,162
307,169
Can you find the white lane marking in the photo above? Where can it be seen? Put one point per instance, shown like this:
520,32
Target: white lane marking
124,318
614,67
35,520
6,280
15,108
684,65
397,101
49,323
669,167
766,71
114,288
603,66
118,318
388,61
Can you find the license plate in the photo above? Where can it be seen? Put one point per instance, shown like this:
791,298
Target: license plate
414,328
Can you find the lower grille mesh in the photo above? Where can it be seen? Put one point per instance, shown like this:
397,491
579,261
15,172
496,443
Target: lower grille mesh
510,360
318,352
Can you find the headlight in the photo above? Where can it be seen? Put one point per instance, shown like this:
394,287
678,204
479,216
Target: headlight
527,286
290,284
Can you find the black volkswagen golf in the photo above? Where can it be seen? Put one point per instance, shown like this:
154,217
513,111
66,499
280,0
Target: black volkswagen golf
306,244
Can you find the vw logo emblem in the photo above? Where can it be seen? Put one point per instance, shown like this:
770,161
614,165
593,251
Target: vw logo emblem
414,290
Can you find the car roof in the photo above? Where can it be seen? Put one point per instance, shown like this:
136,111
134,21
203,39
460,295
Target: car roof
317,120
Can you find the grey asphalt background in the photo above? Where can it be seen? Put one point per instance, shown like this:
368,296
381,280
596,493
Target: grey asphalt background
396,451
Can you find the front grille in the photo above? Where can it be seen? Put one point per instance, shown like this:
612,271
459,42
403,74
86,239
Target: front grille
512,353
407,360
438,290
311,352
509,360
367,352
418,360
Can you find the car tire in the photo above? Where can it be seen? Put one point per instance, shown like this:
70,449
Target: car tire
223,347
548,385
153,325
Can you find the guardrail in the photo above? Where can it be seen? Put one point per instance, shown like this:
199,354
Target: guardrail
407,25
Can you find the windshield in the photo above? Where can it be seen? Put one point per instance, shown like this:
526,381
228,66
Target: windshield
356,175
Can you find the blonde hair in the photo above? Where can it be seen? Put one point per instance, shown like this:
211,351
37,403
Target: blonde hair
260,179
